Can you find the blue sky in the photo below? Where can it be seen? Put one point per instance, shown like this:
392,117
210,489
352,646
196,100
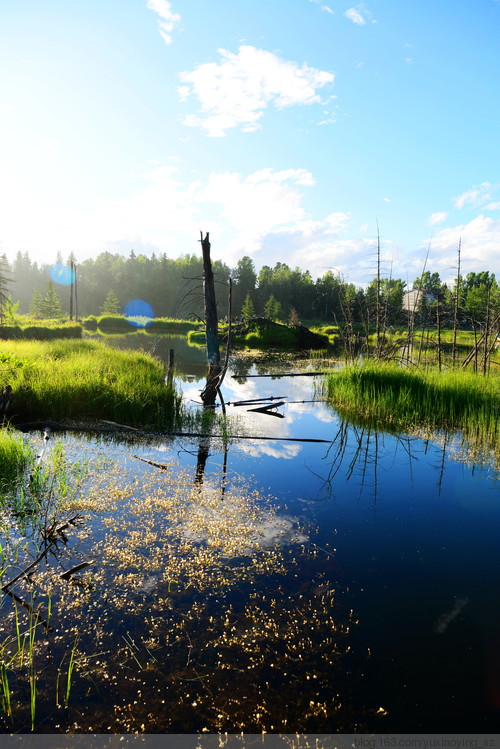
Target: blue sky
286,128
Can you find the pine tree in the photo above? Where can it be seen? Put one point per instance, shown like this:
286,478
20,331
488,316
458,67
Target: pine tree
51,305
272,308
36,305
4,280
248,309
111,304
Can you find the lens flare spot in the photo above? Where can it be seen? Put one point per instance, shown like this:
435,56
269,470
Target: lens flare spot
139,313
62,274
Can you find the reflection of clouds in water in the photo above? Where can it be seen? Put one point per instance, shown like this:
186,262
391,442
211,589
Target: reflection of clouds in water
272,449
324,414
237,526
235,390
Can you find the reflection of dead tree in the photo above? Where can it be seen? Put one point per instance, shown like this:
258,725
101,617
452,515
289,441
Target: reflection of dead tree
360,457
441,470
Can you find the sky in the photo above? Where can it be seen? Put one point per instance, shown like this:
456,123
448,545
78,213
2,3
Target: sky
294,131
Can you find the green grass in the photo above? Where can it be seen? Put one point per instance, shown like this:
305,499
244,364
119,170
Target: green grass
45,330
76,379
390,395
156,325
14,456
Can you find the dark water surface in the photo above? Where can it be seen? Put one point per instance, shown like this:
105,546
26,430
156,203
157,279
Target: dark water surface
368,599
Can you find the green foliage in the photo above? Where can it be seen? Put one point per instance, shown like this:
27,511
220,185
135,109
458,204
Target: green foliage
111,304
266,334
90,322
173,327
114,323
51,304
389,394
197,338
4,281
14,455
272,309
245,281
75,379
47,331
248,310
36,309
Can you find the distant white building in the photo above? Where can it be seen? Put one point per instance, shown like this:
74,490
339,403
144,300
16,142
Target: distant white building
412,297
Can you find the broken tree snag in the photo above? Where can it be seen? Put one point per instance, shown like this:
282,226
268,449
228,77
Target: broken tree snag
211,326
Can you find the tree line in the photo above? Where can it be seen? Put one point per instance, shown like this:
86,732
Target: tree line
173,288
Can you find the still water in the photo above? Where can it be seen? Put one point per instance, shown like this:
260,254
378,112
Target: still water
323,578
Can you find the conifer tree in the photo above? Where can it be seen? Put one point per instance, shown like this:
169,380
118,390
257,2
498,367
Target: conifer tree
51,305
272,308
111,304
4,280
36,305
248,309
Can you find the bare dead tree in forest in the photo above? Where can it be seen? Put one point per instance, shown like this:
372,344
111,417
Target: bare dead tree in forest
457,298
209,392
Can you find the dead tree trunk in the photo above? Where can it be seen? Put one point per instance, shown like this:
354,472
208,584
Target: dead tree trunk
211,326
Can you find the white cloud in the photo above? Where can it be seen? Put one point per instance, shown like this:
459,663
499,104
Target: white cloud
236,91
437,218
480,239
327,9
477,195
358,15
493,206
169,19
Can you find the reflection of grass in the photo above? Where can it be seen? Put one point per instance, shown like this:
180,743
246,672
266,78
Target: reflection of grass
88,379
402,398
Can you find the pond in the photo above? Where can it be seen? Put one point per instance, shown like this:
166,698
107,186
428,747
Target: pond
290,573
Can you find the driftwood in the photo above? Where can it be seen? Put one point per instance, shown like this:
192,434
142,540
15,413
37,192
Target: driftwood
63,428
66,575
257,400
52,535
120,426
268,409
163,466
280,374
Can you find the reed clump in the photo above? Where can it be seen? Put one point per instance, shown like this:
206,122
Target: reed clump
87,379
47,330
14,456
391,395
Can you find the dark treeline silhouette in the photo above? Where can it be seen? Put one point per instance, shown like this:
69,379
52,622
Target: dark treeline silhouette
173,288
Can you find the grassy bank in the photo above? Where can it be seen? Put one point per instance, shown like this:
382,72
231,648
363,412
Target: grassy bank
84,379
48,330
156,325
400,398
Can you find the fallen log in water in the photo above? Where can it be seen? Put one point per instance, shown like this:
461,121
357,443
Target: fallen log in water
280,374
163,466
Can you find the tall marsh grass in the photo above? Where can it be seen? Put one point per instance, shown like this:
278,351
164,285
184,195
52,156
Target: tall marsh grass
14,456
390,395
47,330
76,379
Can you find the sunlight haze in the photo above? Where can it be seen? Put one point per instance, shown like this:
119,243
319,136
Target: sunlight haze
287,129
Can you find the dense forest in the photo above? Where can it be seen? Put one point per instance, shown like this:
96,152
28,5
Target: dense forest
173,288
